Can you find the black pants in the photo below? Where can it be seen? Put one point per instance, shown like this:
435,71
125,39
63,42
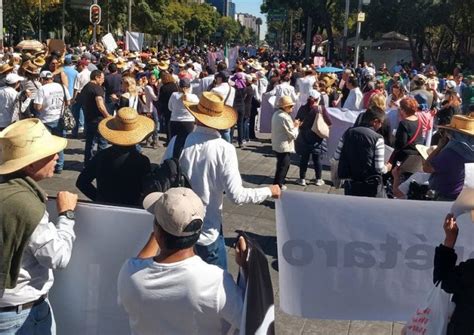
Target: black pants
253,117
283,164
240,109
362,188
318,167
181,128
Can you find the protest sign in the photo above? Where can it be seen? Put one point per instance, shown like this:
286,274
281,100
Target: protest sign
84,294
134,40
109,42
465,201
56,45
363,259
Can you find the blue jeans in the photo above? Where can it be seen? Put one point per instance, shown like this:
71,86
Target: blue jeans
158,125
93,137
226,135
38,320
54,128
213,253
246,129
78,114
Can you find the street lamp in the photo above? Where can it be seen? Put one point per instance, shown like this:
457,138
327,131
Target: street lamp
258,22
360,19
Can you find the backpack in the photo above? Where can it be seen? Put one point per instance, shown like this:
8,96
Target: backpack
168,174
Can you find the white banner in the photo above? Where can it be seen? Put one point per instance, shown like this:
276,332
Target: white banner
233,55
84,295
134,40
356,258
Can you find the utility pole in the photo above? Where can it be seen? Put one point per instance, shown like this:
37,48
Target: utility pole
39,22
63,20
309,30
360,19
1,24
129,15
344,42
291,33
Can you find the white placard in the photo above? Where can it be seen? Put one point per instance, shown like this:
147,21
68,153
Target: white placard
357,258
465,201
134,40
108,41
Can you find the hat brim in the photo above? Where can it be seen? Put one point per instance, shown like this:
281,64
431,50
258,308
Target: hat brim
150,201
227,119
57,144
163,67
287,105
7,68
110,130
459,130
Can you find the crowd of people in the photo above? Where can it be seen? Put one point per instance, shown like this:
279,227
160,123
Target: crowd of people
204,109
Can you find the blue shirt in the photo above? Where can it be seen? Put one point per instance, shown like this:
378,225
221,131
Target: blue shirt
71,74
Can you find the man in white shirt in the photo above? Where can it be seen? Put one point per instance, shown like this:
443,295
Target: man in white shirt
8,98
211,165
354,99
304,86
33,246
226,92
50,102
167,288
82,79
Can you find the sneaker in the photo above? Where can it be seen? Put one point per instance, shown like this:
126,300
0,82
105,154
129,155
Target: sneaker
320,182
283,187
301,182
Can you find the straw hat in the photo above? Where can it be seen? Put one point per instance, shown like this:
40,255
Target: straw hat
126,128
163,65
39,61
111,57
5,68
25,142
285,101
121,63
212,112
29,67
153,61
461,123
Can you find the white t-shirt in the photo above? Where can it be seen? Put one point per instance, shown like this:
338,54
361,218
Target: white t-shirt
51,97
82,79
187,297
223,91
176,106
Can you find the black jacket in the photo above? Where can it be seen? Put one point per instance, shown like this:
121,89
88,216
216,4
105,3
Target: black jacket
458,280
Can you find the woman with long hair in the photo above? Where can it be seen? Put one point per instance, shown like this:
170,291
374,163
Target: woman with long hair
397,93
129,97
168,87
181,121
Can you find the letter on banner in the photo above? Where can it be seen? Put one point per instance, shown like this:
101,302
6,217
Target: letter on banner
356,258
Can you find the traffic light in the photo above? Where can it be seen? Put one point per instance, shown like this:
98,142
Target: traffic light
95,14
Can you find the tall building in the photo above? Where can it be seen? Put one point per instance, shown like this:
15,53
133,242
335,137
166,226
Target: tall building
247,20
224,7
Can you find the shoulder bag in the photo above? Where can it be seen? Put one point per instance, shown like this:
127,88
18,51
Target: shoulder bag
66,120
320,126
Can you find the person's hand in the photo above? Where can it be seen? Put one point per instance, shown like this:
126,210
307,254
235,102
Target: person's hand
388,166
276,191
451,230
297,123
241,252
66,201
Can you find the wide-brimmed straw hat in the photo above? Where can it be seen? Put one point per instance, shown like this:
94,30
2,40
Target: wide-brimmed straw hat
29,67
126,128
212,112
5,68
39,61
461,123
25,142
163,65
285,101
153,61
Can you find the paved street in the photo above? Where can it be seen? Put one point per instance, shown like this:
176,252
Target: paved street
257,166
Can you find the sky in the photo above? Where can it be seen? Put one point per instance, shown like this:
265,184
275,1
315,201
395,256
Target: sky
252,7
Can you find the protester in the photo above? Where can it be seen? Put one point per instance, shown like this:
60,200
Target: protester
8,98
446,162
227,92
92,102
182,121
354,99
118,170
210,163
82,79
455,280
284,133
308,143
50,102
361,154
151,99
168,281
113,88
168,87
32,245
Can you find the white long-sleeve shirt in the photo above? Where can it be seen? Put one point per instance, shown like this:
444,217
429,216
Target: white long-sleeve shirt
49,247
283,89
211,165
354,100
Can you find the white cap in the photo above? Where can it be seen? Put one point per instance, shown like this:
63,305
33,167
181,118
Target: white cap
13,78
179,211
46,74
314,94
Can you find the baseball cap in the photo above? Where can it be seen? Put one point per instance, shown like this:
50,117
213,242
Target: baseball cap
178,211
314,94
46,74
13,78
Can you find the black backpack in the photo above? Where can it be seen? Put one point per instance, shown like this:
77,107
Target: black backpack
168,174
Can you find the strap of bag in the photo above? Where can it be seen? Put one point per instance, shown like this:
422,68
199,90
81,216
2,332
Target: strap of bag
228,94
415,136
63,109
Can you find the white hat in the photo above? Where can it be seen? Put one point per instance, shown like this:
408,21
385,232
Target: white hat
13,78
46,74
179,211
450,84
314,94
